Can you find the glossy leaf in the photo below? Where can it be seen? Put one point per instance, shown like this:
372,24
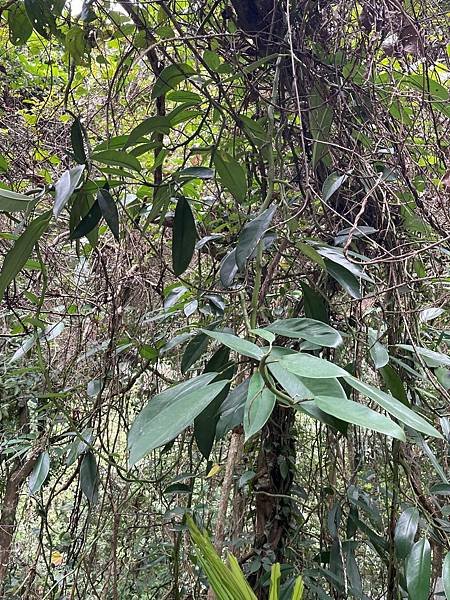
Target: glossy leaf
228,269
331,185
77,140
88,222
429,357
184,236
89,477
378,352
11,202
20,252
108,208
418,571
251,235
307,329
346,279
232,409
169,413
237,344
405,530
358,414
195,349
258,407
393,406
232,175
65,187
307,365
40,472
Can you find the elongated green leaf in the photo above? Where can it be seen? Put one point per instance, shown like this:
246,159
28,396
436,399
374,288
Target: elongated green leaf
231,413
251,235
331,185
228,269
184,236
14,202
393,382
258,407
418,571
337,257
89,477
358,414
446,575
88,222
394,407
237,344
307,329
40,472
195,349
310,366
346,279
41,17
231,174
170,77
157,124
108,208
18,255
65,187
117,158
77,140
431,358
169,413
313,303
405,530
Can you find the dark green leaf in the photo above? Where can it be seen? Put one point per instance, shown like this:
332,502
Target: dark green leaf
117,158
331,185
346,279
88,222
231,174
109,211
19,24
418,571
194,351
169,413
39,472
307,329
228,269
446,575
77,140
41,17
358,414
258,407
405,530
313,304
394,383
170,77
184,236
20,252
232,410
196,173
89,477
251,235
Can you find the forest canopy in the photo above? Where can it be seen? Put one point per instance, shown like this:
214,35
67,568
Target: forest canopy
224,231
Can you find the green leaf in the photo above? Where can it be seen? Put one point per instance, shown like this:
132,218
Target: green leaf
251,235
393,406
314,304
157,124
39,473
313,331
3,164
331,185
109,211
405,530
18,255
440,489
89,477
13,202
431,358
77,140
19,24
237,344
418,571
378,352
88,222
346,279
360,415
232,175
228,269
65,187
232,410
258,407
170,77
307,365
41,17
117,158
196,173
195,349
75,43
394,383
184,236
446,575
320,120
169,413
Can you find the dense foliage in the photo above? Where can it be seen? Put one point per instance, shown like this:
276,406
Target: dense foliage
224,285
